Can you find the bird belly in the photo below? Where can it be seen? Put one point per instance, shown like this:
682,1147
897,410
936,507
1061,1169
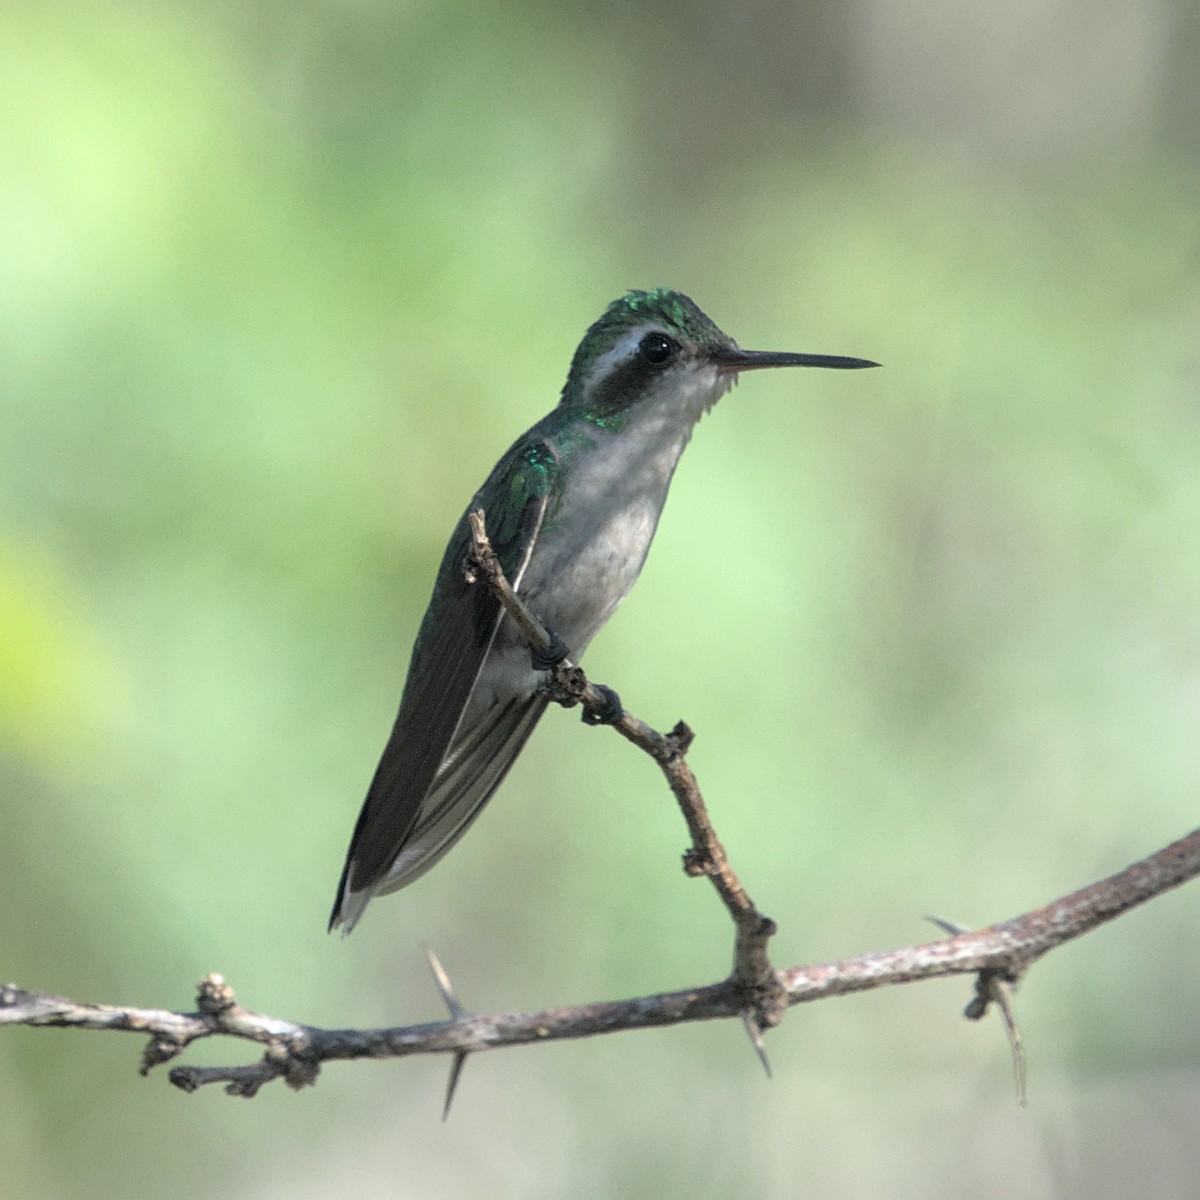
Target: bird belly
598,531
582,570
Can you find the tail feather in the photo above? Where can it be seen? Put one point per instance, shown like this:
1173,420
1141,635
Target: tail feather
472,770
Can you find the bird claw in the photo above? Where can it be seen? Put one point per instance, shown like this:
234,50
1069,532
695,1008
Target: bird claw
610,711
548,659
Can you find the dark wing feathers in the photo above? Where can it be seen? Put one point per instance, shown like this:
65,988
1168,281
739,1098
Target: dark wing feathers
455,637
476,768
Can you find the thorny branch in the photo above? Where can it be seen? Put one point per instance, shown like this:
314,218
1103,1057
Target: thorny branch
294,1052
755,991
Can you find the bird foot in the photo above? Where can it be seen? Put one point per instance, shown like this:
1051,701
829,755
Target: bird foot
548,659
610,711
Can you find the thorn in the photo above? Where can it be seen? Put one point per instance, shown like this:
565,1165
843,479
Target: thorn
443,983
754,1031
991,987
457,1012
1002,993
953,928
460,1058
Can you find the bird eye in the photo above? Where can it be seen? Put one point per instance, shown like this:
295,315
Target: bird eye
656,348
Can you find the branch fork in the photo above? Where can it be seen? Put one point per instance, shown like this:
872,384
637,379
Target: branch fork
755,990
753,975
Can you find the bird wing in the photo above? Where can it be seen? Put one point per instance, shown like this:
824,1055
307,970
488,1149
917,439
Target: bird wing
428,787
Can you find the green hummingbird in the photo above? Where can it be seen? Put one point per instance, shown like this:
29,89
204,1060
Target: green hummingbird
571,510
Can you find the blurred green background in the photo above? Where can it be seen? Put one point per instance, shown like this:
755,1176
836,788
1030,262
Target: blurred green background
279,282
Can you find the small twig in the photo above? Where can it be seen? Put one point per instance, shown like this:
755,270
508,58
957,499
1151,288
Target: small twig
753,973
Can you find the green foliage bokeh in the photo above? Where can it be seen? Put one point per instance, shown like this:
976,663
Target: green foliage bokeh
279,283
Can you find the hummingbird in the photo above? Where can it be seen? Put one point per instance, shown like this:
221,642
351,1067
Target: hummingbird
571,510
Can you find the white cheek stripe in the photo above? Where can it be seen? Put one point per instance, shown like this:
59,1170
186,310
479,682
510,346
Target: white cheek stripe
622,352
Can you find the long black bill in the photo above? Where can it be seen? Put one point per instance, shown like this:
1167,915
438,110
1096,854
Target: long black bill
734,360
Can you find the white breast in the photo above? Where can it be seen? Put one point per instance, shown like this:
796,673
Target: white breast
596,540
